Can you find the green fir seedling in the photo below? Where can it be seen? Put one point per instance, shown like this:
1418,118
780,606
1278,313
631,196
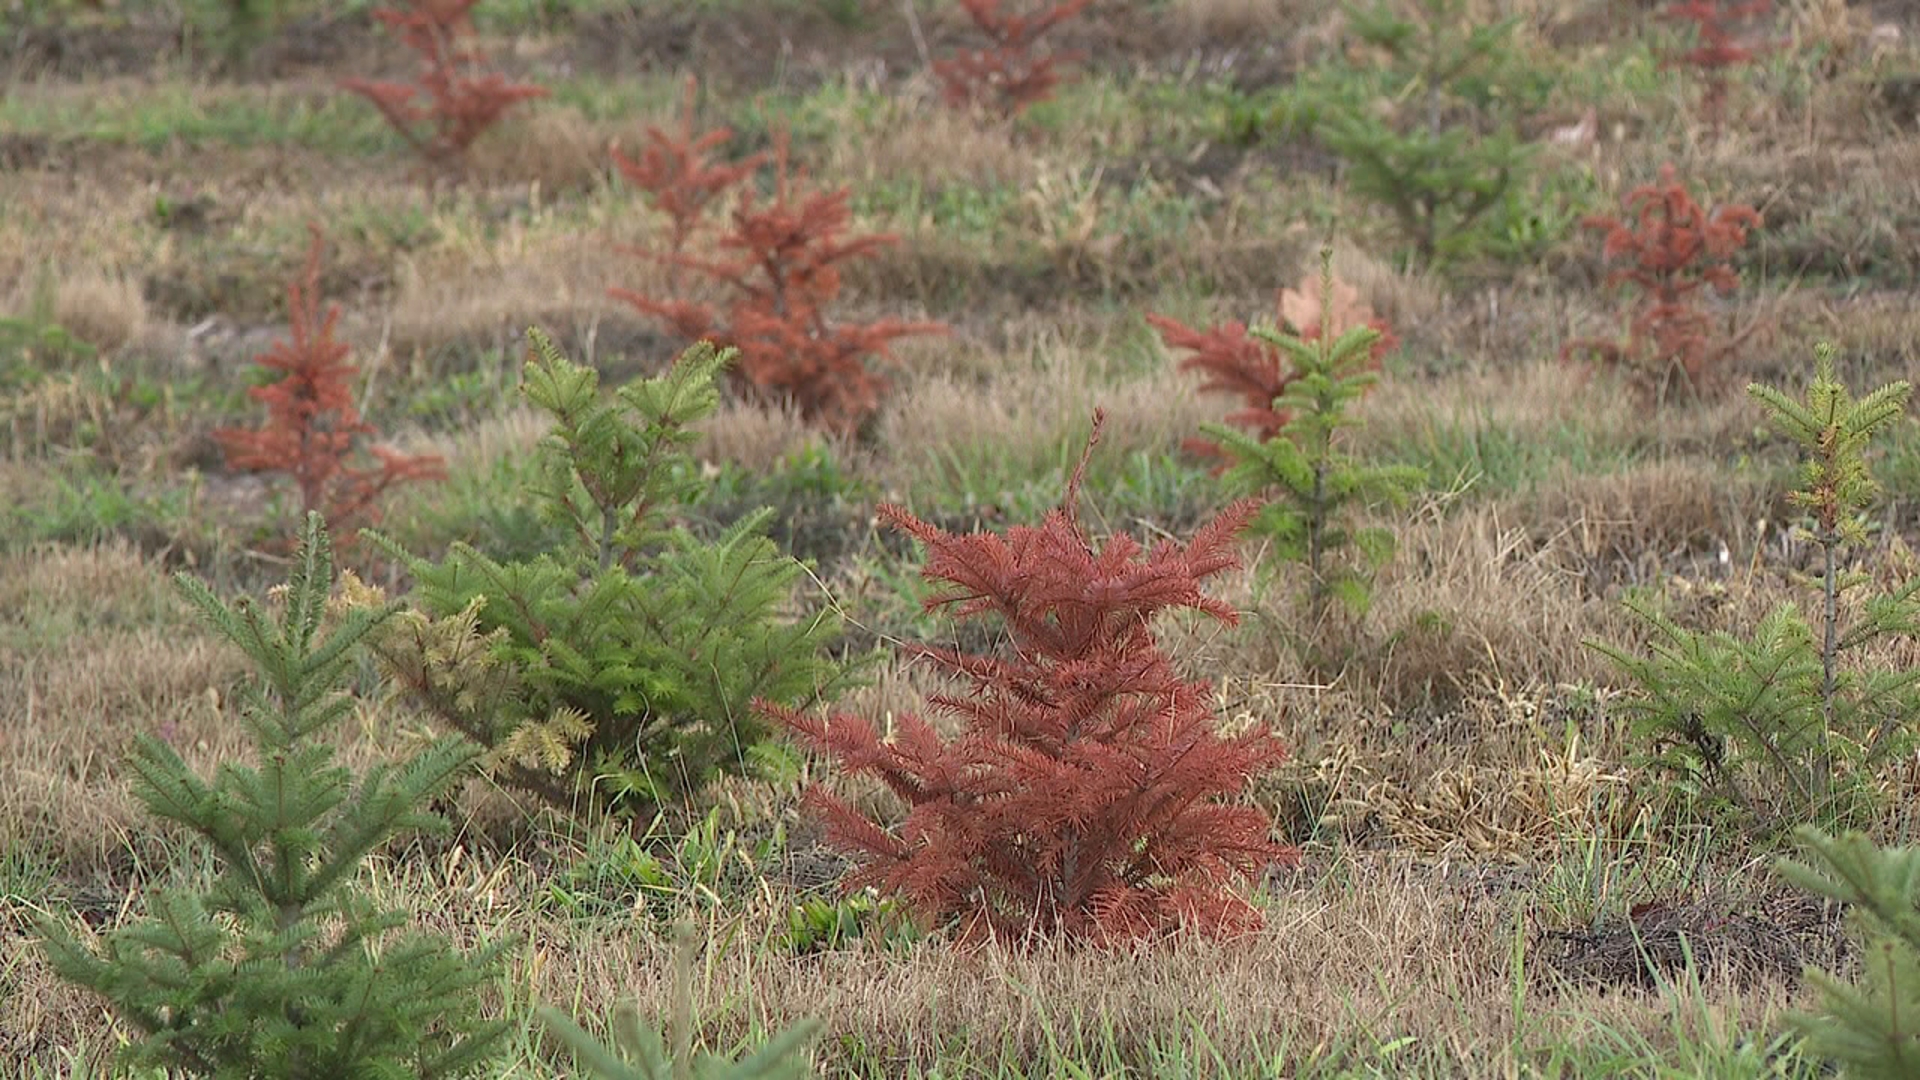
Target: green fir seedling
1869,1029
644,1049
1315,487
280,968
1433,140
615,673
1780,717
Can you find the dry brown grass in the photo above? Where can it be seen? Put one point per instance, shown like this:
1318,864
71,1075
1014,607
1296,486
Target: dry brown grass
101,307
1358,953
1240,21
95,654
558,152
903,139
475,291
759,438
1660,513
1029,420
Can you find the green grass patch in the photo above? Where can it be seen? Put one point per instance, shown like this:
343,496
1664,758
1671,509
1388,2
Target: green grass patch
1480,458
166,114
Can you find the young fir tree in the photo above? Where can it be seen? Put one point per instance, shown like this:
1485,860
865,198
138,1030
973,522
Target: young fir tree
1314,485
1869,1029
617,673
645,1050
1442,153
1780,712
279,968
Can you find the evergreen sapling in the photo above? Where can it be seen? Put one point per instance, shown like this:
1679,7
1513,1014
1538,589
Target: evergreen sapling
615,674
1010,75
1779,725
1671,249
1717,47
314,433
780,261
1315,487
1868,1029
1254,369
679,180
280,968
1444,153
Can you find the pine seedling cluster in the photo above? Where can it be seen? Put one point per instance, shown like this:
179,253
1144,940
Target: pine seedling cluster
1010,75
1868,1029
1671,249
641,1053
1081,801
616,674
314,432
780,262
455,99
1254,369
1315,486
280,968
1780,725
1444,153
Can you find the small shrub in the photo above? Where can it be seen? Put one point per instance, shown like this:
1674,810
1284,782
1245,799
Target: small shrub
280,968
1009,74
455,99
645,1049
1672,248
1080,801
1777,725
1868,1029
780,261
616,673
314,433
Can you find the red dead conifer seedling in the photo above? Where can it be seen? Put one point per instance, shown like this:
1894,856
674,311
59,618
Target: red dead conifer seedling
455,99
313,431
1256,371
1672,248
1717,48
1081,800
677,176
780,262
1009,73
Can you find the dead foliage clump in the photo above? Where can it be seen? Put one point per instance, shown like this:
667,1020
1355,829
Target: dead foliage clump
1772,937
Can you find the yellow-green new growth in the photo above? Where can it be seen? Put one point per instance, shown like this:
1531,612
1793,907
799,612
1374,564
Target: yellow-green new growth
1834,431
